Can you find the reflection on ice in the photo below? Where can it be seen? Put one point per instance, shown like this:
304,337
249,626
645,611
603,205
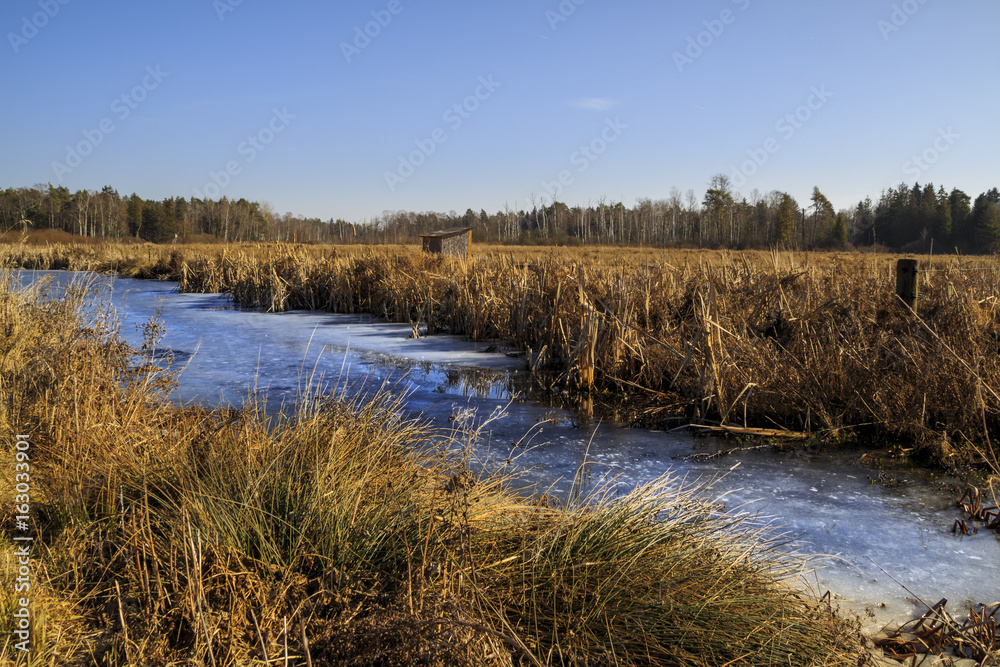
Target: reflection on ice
872,533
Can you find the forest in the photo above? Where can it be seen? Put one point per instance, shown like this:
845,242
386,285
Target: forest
917,218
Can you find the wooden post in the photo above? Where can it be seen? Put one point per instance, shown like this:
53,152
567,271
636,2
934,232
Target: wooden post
907,288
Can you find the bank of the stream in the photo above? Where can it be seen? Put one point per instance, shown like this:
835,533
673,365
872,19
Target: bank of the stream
165,534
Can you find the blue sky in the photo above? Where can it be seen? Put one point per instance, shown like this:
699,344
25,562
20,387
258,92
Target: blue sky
620,100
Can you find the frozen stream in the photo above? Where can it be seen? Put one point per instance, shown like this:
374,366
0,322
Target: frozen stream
828,503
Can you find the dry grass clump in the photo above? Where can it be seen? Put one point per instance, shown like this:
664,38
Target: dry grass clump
349,535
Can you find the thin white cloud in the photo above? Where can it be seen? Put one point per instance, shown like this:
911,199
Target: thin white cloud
594,103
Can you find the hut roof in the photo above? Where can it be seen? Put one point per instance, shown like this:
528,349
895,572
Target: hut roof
446,233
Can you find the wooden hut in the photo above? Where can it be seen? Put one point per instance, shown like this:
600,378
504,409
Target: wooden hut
448,241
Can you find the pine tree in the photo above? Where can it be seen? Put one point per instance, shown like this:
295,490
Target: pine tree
960,211
823,219
133,215
986,225
838,236
864,222
928,210
942,219
785,223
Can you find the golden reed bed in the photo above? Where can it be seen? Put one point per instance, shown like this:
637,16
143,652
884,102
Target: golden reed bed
344,535
802,341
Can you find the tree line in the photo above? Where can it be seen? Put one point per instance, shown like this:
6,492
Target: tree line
912,218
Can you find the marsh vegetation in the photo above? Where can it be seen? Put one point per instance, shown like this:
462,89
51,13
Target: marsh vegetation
347,534
794,341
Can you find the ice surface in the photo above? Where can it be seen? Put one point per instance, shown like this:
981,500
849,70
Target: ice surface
829,504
